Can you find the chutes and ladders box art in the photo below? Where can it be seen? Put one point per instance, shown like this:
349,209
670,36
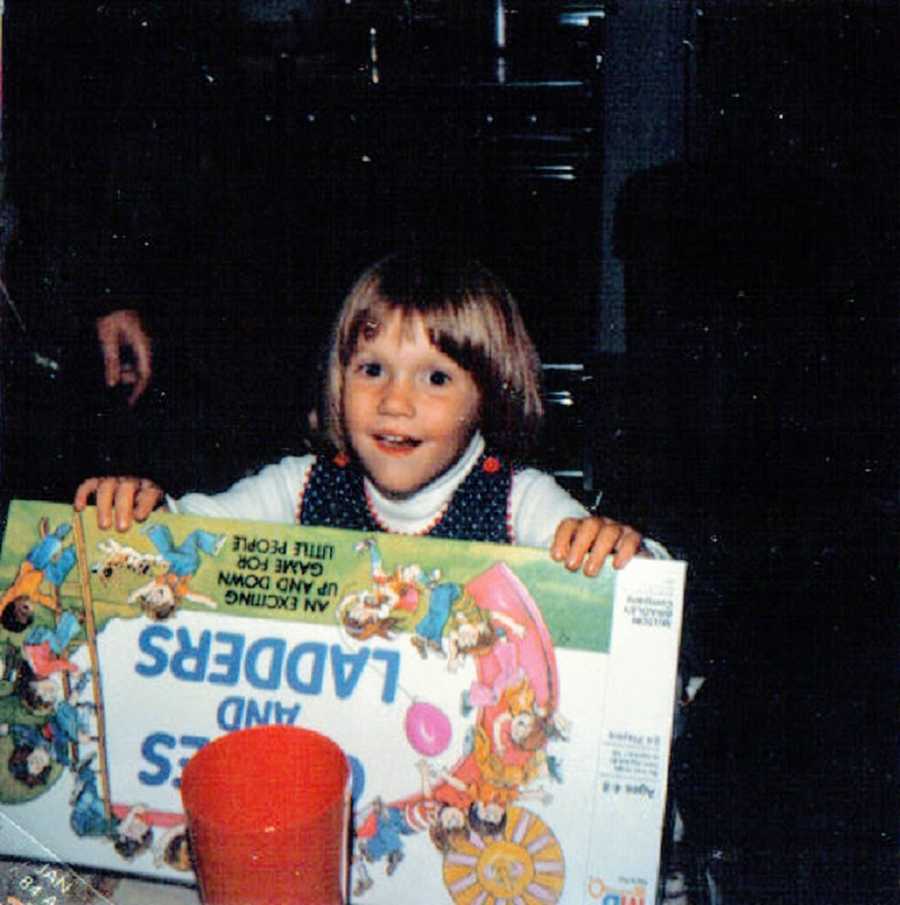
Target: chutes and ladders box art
507,723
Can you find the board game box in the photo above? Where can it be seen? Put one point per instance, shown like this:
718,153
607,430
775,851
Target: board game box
507,723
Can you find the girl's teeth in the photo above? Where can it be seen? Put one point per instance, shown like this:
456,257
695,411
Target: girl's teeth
397,441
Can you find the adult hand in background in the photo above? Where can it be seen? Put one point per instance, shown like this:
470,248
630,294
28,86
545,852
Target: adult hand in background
120,330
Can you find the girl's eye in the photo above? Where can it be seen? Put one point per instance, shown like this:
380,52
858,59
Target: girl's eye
439,378
370,369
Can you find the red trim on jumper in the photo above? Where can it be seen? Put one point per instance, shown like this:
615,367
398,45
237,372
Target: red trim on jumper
491,465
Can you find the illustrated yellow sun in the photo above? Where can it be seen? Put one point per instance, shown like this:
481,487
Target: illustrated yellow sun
524,865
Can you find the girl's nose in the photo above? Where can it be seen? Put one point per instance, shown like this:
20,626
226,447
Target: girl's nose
397,399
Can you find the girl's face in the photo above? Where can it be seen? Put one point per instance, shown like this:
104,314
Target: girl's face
409,409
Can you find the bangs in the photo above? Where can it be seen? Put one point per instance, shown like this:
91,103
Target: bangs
462,332
455,304
469,316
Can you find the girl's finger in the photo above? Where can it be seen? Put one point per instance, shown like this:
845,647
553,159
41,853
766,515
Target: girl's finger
126,491
104,496
562,539
583,540
83,493
148,498
598,545
627,546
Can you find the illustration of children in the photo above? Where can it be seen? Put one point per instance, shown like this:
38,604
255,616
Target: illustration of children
365,614
487,818
173,849
443,807
480,694
57,638
522,724
450,825
38,695
161,597
468,794
133,835
66,727
46,561
407,583
18,613
475,630
380,835
486,779
44,648
376,564
88,816
429,630
184,559
529,730
401,588
30,764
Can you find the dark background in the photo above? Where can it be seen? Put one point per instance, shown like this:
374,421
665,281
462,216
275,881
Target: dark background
698,206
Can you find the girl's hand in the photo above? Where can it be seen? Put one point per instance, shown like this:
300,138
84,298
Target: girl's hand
131,499
590,540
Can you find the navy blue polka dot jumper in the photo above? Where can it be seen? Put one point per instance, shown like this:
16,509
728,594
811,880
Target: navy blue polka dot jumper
335,497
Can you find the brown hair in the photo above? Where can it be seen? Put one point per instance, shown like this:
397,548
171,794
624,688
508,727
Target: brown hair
470,316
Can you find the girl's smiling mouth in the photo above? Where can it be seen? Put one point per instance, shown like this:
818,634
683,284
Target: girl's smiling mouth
396,443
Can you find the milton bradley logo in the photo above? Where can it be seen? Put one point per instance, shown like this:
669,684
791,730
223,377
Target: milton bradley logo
607,895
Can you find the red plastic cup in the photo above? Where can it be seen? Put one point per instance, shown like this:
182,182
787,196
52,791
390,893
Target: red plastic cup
268,814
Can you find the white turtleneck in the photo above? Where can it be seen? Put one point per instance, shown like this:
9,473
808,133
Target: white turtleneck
537,503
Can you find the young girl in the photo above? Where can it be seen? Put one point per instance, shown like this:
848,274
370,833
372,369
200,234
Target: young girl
431,398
